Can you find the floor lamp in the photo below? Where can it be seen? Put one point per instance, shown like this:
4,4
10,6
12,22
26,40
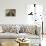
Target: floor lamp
42,26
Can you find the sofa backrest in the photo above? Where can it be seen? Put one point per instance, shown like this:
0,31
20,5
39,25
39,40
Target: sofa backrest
20,28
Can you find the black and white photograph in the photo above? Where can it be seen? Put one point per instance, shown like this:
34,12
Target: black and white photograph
10,12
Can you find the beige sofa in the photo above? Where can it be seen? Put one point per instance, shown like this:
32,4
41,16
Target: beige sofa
19,31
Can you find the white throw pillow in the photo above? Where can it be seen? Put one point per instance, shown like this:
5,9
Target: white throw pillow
30,29
1,30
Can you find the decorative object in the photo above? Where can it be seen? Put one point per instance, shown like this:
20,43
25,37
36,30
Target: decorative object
26,43
10,12
36,11
30,13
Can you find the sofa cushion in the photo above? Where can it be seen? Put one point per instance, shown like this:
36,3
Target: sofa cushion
21,29
30,29
9,28
1,30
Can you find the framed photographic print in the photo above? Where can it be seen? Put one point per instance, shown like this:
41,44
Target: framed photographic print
10,12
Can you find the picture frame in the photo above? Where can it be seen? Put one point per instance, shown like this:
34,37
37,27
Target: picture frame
10,12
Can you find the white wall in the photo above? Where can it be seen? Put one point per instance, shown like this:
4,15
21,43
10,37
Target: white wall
20,6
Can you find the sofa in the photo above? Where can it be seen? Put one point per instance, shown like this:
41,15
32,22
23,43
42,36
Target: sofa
19,31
